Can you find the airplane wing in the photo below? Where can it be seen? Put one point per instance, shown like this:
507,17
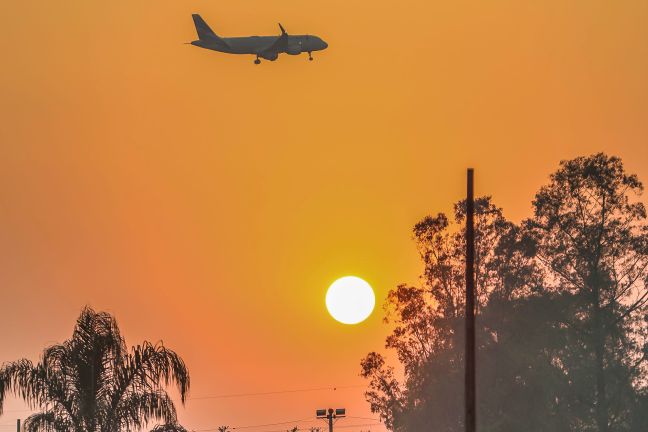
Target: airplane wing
280,44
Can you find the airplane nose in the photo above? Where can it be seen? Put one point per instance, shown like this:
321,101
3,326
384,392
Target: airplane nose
324,45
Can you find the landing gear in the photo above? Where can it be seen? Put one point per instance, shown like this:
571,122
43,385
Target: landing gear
257,61
310,56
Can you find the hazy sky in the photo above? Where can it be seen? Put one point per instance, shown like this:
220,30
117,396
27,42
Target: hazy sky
209,202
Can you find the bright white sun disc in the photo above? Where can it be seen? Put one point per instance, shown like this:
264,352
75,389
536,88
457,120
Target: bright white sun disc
350,300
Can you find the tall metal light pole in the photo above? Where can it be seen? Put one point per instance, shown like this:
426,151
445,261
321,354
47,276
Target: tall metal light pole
330,415
470,402
330,419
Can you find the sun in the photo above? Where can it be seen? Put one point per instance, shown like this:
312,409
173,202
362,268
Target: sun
350,300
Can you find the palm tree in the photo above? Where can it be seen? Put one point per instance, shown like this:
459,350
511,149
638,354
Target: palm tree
93,383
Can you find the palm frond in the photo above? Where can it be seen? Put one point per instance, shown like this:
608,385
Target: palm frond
158,364
46,421
169,427
138,409
92,383
24,380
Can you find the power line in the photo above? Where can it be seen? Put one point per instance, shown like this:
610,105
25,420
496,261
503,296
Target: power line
255,426
337,427
294,422
268,393
363,418
270,424
358,425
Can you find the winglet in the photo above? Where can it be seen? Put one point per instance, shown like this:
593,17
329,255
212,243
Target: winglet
283,31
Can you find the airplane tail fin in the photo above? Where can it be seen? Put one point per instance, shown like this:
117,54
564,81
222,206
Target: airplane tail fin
203,30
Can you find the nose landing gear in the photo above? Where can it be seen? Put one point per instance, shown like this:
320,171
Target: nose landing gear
310,56
257,61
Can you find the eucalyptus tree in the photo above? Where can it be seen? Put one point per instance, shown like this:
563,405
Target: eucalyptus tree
93,383
592,240
562,319
427,333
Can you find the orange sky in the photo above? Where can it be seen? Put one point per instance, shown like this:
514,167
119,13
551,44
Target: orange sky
209,202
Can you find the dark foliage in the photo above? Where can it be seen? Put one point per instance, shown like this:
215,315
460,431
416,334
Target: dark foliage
562,319
93,383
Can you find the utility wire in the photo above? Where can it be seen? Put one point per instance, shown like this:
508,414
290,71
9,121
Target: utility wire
363,418
255,426
268,393
336,427
271,424
358,425
296,422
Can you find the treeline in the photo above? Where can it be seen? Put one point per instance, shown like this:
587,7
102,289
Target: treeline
562,316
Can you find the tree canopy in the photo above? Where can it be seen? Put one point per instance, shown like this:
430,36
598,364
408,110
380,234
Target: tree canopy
93,383
562,318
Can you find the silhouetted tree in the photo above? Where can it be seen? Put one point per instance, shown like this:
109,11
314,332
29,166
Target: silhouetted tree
593,243
93,383
428,324
540,343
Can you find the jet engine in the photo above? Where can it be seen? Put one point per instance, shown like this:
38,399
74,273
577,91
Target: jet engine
294,49
272,56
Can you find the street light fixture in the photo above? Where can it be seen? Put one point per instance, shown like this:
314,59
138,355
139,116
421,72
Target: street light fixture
330,415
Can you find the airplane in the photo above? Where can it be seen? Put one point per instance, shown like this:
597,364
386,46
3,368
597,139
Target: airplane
263,47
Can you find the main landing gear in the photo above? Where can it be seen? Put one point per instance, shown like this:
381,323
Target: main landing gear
257,61
310,56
